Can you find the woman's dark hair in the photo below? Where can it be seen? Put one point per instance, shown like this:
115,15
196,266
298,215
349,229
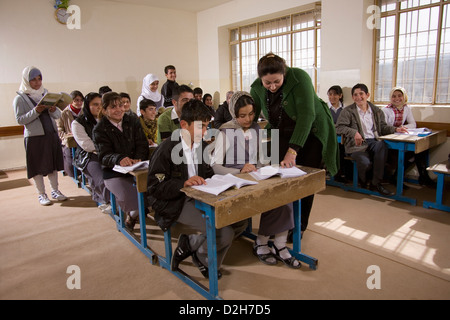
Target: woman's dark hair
271,64
75,94
242,102
206,96
109,97
337,90
87,101
195,110
145,103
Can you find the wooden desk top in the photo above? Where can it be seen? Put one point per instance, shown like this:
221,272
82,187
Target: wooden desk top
236,205
421,143
440,168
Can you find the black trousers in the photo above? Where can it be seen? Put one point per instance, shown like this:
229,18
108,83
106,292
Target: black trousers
374,157
310,156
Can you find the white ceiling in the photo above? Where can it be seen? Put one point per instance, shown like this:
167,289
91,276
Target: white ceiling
183,5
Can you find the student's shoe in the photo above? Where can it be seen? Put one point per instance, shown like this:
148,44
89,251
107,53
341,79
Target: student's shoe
203,269
44,200
290,262
182,251
57,195
266,258
105,207
383,191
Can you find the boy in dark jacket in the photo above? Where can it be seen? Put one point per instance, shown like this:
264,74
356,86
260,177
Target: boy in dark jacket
178,162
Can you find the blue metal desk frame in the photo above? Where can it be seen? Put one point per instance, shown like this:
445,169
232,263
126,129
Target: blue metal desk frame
439,192
211,293
402,147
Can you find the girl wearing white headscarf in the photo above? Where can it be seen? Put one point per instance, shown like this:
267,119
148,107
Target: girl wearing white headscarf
44,155
399,114
150,91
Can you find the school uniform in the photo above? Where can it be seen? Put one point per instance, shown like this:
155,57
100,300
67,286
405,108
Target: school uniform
231,156
114,143
171,165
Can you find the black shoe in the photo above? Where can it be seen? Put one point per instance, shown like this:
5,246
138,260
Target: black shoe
203,269
425,180
182,251
382,190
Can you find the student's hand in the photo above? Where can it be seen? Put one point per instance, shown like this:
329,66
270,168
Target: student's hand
289,160
125,162
358,139
248,168
39,108
194,181
401,129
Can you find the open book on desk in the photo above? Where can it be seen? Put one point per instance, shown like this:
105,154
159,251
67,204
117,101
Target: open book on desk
420,132
135,167
270,171
219,183
61,100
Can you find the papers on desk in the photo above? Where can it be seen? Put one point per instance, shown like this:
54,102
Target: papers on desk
219,183
135,167
421,132
270,171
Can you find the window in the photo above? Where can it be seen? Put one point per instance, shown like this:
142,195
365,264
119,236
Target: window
295,37
413,50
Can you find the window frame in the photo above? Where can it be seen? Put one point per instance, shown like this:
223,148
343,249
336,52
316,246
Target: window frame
396,13
316,28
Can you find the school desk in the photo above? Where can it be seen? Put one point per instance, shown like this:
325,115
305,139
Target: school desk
404,143
235,205
227,208
441,171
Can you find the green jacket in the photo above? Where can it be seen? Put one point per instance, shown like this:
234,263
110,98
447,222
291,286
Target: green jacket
166,125
310,113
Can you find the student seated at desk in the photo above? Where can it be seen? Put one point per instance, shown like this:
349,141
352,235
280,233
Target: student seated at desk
241,156
361,124
119,140
86,158
168,175
399,114
169,120
147,109
64,124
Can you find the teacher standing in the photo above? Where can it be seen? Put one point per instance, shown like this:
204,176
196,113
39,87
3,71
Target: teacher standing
307,135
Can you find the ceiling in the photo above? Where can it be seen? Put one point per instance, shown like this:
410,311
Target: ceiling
183,5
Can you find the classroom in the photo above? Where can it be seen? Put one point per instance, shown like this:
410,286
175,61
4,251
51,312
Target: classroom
216,45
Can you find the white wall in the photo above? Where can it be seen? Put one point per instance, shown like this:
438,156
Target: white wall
120,43
117,45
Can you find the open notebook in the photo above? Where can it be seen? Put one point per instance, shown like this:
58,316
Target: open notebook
219,183
135,167
270,171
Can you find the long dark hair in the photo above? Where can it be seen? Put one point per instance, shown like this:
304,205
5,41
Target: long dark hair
87,101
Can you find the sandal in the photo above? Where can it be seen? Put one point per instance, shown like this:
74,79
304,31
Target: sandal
265,257
290,262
